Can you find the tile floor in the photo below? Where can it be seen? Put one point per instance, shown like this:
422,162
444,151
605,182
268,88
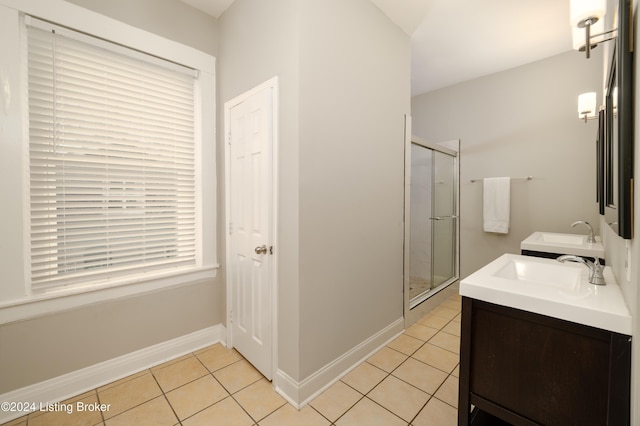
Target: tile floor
411,381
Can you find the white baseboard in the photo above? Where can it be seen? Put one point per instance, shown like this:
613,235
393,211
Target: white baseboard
79,381
299,394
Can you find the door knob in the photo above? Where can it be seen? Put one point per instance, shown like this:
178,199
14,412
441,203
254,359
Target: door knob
261,249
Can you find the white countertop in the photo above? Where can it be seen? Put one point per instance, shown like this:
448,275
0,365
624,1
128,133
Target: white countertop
551,288
550,242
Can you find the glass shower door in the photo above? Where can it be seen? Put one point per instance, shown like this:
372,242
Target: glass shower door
444,219
433,221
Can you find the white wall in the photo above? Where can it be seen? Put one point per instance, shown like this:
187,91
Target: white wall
519,122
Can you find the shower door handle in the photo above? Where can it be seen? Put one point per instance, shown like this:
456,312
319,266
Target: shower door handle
444,217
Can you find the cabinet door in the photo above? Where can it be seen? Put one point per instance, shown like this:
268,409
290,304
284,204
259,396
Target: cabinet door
520,365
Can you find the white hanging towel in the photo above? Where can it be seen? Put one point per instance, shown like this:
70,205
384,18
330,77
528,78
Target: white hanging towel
496,204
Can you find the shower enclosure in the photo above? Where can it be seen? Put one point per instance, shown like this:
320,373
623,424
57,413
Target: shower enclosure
431,256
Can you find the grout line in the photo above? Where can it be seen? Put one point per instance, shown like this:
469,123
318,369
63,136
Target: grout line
165,397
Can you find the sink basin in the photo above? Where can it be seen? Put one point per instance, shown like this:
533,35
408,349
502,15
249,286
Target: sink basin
551,274
574,240
551,288
551,242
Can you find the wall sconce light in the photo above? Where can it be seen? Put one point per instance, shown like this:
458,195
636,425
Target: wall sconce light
586,14
596,33
587,106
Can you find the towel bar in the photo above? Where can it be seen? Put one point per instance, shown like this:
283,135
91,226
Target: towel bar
520,177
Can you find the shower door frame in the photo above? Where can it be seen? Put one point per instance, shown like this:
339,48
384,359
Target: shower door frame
430,299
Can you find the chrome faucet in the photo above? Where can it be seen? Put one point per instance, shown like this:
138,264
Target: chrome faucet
596,275
590,238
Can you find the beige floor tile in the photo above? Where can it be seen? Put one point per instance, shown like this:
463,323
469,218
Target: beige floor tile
444,312
452,328
217,356
420,331
70,412
196,396
455,304
387,359
226,412
406,344
433,321
446,341
448,392
456,372
67,405
420,375
172,361
437,357
436,413
20,421
364,377
129,394
400,398
289,416
336,400
237,376
367,412
156,412
177,374
123,380
259,399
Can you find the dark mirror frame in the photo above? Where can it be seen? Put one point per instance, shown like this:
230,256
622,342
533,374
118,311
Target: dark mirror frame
600,160
620,74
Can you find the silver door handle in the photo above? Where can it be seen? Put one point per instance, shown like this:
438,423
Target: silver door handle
443,217
261,249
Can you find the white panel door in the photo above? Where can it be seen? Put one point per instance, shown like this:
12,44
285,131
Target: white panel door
250,212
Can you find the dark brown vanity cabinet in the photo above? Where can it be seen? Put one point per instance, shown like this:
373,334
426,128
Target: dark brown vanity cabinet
548,255
522,368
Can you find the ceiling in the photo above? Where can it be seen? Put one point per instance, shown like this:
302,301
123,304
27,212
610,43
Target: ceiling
458,40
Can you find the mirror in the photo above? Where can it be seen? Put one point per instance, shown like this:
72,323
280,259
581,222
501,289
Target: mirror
617,158
610,133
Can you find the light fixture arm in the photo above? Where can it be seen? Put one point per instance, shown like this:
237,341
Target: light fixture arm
586,24
593,36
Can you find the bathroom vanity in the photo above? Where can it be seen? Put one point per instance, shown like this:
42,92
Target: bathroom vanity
541,346
552,245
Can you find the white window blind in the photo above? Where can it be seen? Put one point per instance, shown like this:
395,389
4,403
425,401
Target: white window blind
111,161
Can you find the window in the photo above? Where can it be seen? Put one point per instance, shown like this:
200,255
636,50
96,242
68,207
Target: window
112,160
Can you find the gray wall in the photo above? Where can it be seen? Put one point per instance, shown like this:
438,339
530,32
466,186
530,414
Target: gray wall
344,90
48,346
259,40
42,348
519,122
169,18
354,93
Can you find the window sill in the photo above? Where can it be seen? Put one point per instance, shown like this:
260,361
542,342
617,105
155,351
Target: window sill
41,304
